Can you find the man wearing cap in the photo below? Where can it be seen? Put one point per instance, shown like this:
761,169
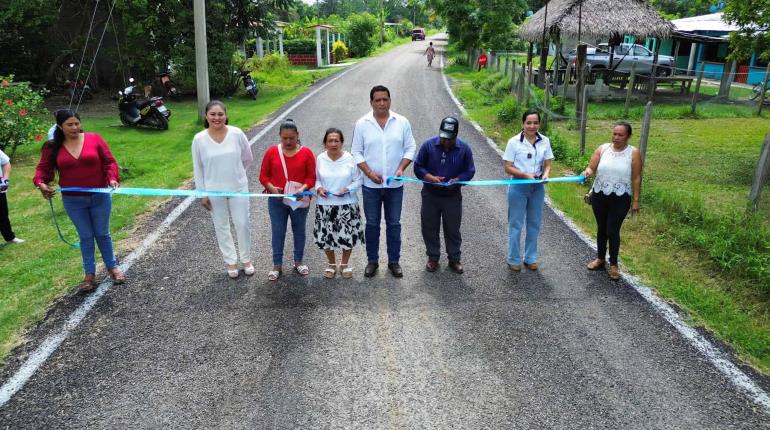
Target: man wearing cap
443,160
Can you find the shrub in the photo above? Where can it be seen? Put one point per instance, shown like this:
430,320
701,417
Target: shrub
21,115
361,29
340,51
508,111
299,46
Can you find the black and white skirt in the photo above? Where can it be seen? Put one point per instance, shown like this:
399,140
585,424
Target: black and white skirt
338,227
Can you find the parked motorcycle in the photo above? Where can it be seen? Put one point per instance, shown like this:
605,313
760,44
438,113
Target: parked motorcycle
151,113
168,86
248,83
76,90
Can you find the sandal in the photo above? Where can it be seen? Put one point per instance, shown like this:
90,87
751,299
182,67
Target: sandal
595,264
273,275
232,273
331,271
248,268
302,269
346,271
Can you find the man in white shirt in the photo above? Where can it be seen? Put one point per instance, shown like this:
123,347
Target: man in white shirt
5,222
383,145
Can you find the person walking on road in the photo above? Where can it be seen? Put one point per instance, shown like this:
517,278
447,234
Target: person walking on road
527,155
618,169
338,223
5,222
221,155
82,160
288,168
383,146
430,52
443,159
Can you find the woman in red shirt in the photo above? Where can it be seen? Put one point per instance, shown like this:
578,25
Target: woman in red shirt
299,168
82,160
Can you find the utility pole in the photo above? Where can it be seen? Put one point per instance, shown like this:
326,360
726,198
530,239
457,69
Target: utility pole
201,55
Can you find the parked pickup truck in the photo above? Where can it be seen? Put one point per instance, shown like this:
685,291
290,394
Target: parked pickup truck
626,54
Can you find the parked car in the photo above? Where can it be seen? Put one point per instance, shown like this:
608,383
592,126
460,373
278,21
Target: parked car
418,34
626,54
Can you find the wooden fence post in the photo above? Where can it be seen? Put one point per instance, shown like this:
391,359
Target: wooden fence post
546,102
761,176
567,74
521,82
507,60
697,87
630,89
764,89
513,76
645,135
583,119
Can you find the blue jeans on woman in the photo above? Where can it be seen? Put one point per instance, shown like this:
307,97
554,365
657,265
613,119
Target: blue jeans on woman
91,215
524,202
279,216
375,200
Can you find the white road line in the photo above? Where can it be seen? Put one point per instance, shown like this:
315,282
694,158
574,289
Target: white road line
719,359
51,343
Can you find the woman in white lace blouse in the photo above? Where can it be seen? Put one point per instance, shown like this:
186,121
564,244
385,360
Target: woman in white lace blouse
618,169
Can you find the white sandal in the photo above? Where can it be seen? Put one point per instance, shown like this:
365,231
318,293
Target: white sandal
248,268
273,275
331,271
232,273
302,269
346,271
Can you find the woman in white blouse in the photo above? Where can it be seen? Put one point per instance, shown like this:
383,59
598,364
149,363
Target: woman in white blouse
221,156
618,169
338,223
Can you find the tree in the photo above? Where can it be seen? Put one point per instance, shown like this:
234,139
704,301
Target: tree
753,18
486,23
361,31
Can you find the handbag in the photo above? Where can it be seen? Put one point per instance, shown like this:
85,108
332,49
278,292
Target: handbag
292,187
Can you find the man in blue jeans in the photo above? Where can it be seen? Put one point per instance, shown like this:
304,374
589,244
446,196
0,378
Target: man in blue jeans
383,146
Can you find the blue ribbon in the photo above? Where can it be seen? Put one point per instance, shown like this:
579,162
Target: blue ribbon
175,192
56,223
492,182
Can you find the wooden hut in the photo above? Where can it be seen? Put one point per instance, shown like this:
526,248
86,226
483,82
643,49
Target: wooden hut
591,19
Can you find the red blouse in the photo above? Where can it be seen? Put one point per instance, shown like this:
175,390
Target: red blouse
95,167
301,168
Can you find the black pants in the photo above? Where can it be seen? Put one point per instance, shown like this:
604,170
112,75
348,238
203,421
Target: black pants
609,211
437,210
5,223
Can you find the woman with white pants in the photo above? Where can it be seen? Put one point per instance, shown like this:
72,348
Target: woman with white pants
221,156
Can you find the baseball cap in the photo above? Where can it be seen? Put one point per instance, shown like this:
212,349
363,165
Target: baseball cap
449,128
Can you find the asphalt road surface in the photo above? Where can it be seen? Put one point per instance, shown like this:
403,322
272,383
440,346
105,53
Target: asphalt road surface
182,346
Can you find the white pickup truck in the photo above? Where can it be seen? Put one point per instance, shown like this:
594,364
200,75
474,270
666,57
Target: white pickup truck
626,54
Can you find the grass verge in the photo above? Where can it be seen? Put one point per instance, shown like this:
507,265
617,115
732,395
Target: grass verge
693,243
43,269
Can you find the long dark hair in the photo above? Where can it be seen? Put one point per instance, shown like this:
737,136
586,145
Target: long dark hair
210,105
56,143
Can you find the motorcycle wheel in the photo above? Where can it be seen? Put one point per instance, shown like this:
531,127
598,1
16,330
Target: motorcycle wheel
253,94
159,121
124,119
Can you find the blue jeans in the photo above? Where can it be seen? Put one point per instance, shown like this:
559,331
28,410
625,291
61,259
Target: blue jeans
279,215
375,199
524,202
91,216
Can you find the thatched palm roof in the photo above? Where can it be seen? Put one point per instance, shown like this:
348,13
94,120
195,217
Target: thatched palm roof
599,19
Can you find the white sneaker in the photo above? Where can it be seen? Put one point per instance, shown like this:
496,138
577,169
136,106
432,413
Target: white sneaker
16,240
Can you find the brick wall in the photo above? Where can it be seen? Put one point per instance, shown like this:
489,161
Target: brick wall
304,59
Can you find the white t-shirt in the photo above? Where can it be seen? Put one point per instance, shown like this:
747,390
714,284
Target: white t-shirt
221,166
4,159
336,175
527,157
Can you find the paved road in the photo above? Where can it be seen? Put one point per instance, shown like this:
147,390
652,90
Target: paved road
181,346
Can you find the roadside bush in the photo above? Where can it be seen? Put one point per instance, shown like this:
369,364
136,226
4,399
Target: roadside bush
299,46
340,51
361,29
508,111
21,115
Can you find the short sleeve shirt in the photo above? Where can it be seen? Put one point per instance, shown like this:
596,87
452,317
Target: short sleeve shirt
4,159
527,157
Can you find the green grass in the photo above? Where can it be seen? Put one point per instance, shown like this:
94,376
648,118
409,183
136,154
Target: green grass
43,269
693,243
